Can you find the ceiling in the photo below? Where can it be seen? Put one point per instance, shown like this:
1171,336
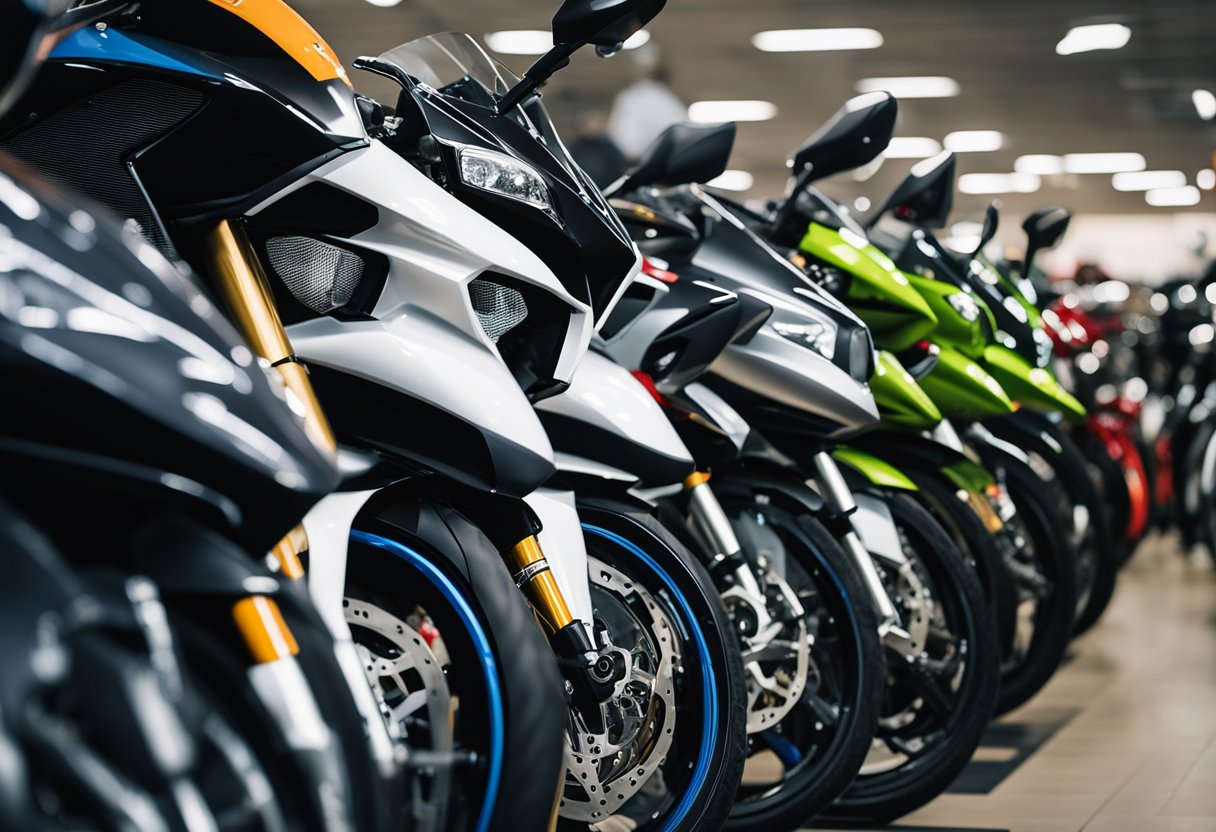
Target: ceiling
1002,54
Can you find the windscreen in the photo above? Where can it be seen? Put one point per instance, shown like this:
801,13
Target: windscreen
453,64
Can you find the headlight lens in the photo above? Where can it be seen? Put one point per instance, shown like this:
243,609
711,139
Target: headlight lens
818,335
965,306
500,174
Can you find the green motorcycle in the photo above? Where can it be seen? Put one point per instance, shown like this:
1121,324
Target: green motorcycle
943,372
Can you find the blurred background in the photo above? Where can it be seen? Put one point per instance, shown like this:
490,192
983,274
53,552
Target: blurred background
1107,108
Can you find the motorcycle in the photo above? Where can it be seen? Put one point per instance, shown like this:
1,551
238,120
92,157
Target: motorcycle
149,651
800,381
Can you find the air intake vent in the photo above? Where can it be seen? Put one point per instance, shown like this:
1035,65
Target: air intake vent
318,275
499,307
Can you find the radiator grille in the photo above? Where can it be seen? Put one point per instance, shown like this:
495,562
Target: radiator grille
318,275
86,145
500,308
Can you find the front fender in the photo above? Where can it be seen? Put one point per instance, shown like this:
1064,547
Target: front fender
962,389
901,401
874,470
1032,386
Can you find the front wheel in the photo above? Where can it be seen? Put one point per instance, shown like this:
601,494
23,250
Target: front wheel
666,752
460,667
938,701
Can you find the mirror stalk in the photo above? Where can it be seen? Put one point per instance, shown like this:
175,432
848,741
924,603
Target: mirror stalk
805,177
537,74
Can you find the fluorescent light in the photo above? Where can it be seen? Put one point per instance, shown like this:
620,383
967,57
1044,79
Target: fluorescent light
639,38
733,180
973,141
816,40
385,4
912,147
912,86
1090,38
714,112
1102,162
520,42
1146,180
998,183
1206,180
1172,197
529,41
1205,104
1039,164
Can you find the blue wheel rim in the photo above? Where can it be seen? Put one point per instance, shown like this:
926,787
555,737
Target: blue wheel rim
709,702
485,654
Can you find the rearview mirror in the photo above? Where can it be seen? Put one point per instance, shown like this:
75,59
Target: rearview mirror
852,137
604,23
926,195
1044,228
992,221
682,153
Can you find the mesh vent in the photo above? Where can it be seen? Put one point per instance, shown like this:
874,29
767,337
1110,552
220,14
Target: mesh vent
499,307
320,276
86,145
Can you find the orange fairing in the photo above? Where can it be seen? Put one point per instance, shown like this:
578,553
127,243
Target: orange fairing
277,21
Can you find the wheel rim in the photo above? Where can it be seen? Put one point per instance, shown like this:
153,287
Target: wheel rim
919,708
674,789
796,748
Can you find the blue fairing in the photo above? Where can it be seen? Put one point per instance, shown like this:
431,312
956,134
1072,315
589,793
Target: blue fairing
113,46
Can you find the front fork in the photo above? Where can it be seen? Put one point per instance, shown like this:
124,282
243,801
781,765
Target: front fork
237,274
837,492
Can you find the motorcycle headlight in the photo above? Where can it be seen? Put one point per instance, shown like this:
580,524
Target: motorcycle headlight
818,335
503,175
965,306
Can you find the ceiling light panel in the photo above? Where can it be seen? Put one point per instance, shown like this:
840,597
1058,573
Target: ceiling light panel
1172,197
1205,104
1145,180
1092,38
520,42
733,180
1039,164
974,141
816,40
1103,162
715,112
912,147
998,183
912,86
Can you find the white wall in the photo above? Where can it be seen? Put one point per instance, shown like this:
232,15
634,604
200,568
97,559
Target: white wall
1147,248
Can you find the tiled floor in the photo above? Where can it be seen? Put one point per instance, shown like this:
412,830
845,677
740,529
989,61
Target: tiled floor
1123,739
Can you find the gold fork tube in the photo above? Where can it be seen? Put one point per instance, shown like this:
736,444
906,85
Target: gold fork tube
531,573
239,277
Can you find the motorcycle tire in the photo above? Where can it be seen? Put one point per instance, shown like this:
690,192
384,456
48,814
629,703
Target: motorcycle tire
976,542
957,692
1054,614
821,744
428,593
636,562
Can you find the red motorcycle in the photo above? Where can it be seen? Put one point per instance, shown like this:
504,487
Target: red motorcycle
1084,343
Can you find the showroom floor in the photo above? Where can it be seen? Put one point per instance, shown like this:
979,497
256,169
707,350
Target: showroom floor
1123,739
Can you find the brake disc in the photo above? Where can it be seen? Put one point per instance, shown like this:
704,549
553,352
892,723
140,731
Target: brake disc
777,655
608,764
776,645
406,675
